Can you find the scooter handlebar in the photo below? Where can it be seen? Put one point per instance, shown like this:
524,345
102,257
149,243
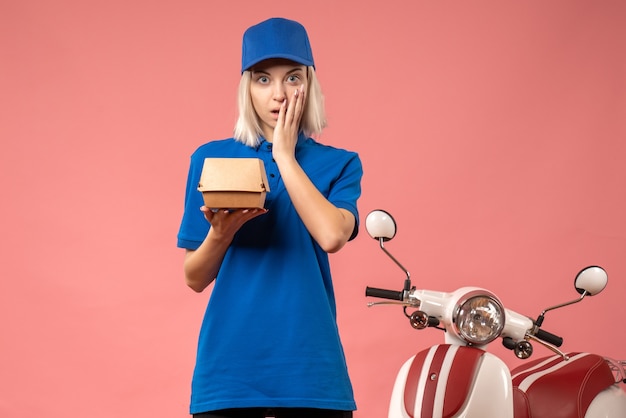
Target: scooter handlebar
384,293
549,338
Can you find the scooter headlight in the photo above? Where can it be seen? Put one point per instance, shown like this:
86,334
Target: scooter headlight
479,317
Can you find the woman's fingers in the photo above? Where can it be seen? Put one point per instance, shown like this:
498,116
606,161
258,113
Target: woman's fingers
231,217
296,109
291,110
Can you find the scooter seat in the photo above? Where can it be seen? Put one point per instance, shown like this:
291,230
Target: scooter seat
551,387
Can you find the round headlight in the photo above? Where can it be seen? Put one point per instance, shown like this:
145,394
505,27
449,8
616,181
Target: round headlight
479,318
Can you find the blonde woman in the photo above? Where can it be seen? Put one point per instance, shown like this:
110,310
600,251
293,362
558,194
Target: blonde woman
269,343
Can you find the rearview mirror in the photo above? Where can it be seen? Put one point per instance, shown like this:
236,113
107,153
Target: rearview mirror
592,279
380,224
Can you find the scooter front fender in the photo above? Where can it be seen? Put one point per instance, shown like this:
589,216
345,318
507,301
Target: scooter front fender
448,381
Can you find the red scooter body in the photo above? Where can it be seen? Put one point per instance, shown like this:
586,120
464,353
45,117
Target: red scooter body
447,381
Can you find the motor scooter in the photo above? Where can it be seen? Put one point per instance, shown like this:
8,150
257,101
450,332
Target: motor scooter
461,379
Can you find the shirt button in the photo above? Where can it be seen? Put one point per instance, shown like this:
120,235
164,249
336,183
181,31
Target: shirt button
272,175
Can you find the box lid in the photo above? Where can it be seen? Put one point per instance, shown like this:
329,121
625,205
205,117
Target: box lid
233,174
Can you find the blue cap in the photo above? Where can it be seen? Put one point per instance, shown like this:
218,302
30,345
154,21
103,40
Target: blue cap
276,38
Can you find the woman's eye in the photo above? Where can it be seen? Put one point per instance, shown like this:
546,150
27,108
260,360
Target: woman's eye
263,80
293,78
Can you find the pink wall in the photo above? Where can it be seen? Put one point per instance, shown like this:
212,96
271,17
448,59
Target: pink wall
493,131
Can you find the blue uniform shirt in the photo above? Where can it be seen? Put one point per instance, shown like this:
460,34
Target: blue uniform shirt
269,336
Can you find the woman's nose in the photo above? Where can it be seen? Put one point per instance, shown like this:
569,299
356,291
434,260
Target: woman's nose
280,93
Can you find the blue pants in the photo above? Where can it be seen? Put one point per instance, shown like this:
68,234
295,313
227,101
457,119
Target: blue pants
276,413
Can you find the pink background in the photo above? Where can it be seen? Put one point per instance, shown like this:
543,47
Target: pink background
494,131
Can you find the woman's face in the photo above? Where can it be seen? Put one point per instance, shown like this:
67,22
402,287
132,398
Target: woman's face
274,81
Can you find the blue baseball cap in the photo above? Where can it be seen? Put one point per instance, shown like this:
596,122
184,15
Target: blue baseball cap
276,38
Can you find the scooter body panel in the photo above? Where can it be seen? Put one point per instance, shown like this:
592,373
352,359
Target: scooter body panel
449,381
610,403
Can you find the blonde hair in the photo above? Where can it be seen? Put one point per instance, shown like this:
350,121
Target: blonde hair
248,129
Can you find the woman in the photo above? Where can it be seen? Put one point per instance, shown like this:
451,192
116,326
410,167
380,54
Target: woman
269,343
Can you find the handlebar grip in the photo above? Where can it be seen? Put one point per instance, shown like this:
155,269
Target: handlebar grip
384,293
549,338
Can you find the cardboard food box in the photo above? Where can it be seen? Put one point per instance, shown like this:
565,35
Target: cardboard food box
233,183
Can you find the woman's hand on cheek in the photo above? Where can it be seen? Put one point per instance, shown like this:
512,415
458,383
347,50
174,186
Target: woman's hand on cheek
288,125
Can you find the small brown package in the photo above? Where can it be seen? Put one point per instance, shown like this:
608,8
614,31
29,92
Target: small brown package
233,183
